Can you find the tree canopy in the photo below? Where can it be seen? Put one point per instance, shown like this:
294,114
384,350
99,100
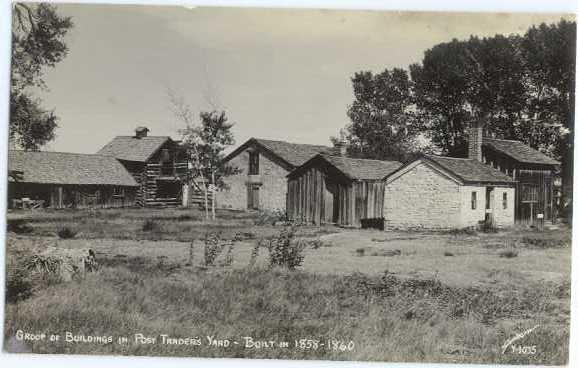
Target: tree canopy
521,85
37,43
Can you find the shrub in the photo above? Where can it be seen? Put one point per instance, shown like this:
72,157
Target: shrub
387,253
360,252
508,254
150,225
462,231
185,218
66,233
448,254
213,248
267,217
19,226
285,250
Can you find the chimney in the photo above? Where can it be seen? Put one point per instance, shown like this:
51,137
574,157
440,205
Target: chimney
141,132
341,148
475,136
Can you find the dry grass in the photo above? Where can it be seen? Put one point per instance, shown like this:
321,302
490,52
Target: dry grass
427,307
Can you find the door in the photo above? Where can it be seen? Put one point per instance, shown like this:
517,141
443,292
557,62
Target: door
253,197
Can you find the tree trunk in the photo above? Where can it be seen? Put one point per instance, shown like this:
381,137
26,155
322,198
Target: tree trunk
213,194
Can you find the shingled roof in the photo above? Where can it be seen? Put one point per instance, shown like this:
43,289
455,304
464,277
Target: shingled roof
354,168
469,170
291,154
68,168
519,151
130,148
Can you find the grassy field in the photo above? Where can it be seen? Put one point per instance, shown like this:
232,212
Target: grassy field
398,296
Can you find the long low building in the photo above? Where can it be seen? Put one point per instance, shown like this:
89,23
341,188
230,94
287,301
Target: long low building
68,180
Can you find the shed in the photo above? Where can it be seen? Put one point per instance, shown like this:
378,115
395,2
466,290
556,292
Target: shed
69,180
336,189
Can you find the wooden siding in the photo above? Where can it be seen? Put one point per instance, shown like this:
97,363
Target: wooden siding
541,176
74,196
316,196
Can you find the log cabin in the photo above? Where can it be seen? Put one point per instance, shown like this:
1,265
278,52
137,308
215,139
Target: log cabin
338,190
68,180
157,163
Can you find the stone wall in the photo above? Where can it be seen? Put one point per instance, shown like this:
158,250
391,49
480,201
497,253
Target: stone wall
471,217
504,217
273,189
422,198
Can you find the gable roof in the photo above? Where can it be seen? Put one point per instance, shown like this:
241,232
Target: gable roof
354,168
469,170
291,155
68,168
519,151
130,148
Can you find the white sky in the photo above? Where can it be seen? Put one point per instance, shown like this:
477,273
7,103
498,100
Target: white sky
279,74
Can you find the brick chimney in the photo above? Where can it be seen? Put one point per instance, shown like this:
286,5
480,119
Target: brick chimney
475,136
340,148
141,132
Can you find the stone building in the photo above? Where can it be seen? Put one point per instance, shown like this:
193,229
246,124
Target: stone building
445,192
263,165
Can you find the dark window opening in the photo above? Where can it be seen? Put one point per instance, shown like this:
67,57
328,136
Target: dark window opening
474,200
253,163
505,201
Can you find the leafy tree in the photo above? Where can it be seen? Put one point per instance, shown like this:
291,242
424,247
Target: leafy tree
37,43
461,81
205,144
382,121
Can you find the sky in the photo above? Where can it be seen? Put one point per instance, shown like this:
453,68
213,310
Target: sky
278,73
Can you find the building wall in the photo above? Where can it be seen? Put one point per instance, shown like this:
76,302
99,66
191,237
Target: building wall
272,177
504,217
422,198
471,217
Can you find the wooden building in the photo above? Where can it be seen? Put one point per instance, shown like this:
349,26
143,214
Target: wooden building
534,173
157,163
337,189
68,180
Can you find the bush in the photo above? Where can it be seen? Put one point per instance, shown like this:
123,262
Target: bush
508,254
285,250
66,233
267,217
150,225
360,252
213,248
19,226
448,254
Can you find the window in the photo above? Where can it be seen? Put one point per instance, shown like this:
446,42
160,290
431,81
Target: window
505,201
474,200
529,193
118,192
253,163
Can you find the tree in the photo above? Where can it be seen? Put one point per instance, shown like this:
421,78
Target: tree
522,86
461,81
205,144
382,121
37,43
